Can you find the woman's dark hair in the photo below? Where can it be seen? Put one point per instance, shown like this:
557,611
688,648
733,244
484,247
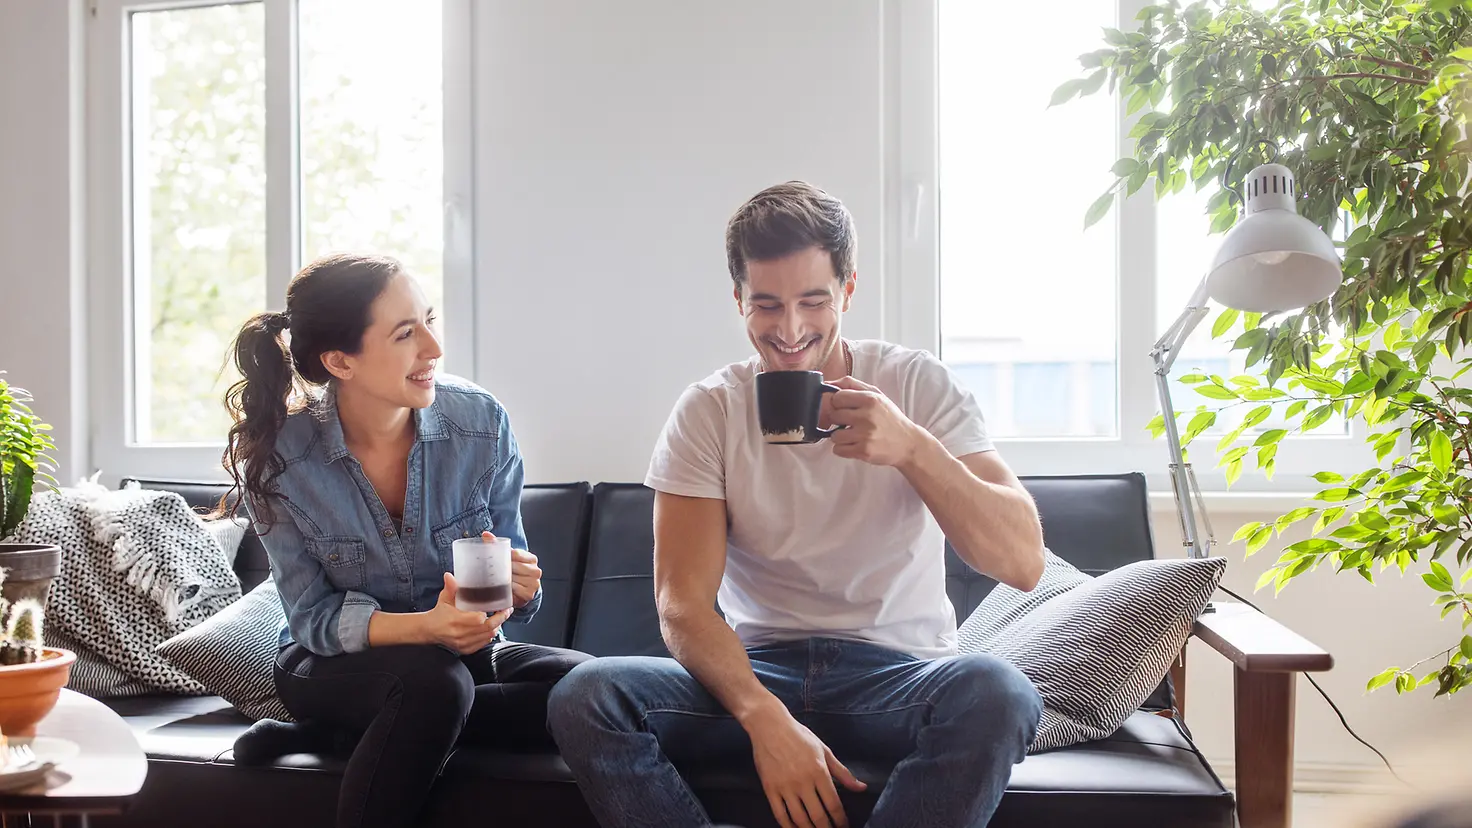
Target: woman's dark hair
328,307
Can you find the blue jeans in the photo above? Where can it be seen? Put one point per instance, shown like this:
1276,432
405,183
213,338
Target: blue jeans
954,727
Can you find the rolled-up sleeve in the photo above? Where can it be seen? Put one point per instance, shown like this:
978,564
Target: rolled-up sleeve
322,618
504,501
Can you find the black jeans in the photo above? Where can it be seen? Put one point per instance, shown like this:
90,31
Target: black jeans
413,704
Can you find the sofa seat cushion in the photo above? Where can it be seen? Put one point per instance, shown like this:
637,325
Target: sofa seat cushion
1146,773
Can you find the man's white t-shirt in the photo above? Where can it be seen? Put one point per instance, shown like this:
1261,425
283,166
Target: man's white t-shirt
818,545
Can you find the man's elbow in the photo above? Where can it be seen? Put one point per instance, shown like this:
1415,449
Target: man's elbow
677,616
1027,569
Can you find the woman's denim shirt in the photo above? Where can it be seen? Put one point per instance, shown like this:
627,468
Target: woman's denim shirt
335,553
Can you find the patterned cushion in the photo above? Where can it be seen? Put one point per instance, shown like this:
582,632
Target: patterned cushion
1004,605
1096,649
232,654
228,533
137,568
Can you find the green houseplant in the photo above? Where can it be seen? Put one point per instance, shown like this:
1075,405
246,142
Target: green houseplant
24,462
31,674
1367,101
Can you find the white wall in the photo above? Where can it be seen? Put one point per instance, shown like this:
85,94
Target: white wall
618,138
42,267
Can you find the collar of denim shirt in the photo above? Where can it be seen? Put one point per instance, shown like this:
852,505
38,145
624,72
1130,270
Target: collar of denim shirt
429,424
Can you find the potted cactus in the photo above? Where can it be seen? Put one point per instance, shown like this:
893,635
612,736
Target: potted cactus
24,443
31,674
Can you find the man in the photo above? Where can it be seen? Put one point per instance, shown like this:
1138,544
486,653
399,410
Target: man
828,559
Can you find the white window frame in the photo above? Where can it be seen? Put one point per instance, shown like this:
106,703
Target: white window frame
911,314
113,292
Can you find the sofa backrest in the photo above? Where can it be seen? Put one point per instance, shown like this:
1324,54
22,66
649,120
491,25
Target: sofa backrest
617,615
554,516
595,545
1095,522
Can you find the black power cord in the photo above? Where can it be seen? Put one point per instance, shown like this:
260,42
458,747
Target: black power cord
1332,705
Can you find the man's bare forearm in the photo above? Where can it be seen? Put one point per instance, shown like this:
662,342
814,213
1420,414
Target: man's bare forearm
707,646
993,527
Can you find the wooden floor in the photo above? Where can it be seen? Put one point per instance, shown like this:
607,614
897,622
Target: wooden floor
1319,810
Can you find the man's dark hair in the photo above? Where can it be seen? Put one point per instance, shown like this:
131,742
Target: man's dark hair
786,219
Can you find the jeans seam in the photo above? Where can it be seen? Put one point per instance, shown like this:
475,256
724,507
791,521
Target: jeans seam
684,787
644,719
929,705
392,711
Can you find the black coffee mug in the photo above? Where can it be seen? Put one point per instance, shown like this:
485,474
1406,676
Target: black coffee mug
787,405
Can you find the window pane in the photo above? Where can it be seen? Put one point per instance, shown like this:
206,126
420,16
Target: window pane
372,126
1184,248
1021,282
198,213
1041,402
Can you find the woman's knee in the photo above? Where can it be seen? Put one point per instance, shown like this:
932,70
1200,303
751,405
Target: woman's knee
432,677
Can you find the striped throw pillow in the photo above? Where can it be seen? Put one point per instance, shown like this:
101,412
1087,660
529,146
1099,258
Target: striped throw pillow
1095,648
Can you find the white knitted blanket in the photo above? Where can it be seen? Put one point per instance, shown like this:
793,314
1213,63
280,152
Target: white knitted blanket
138,567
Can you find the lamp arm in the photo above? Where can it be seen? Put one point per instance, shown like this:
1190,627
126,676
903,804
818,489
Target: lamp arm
1183,480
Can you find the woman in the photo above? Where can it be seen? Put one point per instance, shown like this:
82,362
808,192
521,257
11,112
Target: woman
359,466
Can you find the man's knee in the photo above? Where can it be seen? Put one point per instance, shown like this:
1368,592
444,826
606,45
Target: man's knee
993,692
593,691
611,693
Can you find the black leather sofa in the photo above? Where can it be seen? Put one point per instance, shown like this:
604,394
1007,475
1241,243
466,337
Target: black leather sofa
595,547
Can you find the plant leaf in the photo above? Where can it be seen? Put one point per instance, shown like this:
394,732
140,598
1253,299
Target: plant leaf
1246,530
1224,322
1097,210
1215,392
1441,451
1382,679
1065,91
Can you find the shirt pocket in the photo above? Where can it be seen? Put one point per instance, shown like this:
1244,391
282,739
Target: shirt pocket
467,524
342,559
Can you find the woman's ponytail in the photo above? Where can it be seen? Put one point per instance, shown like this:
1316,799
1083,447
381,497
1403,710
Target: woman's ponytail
328,307
258,405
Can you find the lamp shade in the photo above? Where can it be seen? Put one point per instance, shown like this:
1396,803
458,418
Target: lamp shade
1273,259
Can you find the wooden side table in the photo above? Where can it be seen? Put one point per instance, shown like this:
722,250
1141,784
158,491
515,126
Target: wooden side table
104,776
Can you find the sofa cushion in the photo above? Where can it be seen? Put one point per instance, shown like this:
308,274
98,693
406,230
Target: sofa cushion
617,615
1096,522
228,533
233,654
1147,773
1003,606
1095,651
555,518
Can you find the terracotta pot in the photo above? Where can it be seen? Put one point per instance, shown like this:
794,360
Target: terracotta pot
29,570
29,691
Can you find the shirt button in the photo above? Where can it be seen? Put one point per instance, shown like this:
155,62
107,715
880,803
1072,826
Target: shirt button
404,578
388,533
408,530
332,557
